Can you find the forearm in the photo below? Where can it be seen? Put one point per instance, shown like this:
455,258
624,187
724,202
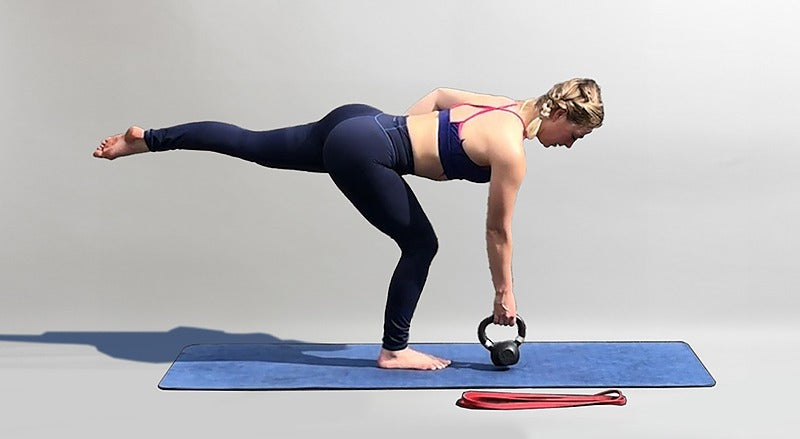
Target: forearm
499,249
425,105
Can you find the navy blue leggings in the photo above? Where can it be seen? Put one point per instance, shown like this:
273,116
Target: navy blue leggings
365,152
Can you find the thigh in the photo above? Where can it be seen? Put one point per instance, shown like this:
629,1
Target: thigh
357,158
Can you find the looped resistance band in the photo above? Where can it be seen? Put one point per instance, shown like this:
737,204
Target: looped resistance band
518,401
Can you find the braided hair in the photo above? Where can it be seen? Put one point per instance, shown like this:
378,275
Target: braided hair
579,97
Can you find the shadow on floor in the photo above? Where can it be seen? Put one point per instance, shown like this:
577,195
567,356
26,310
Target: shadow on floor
164,347
147,347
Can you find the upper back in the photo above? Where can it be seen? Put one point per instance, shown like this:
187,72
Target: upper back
482,129
481,111
473,111
484,136
472,160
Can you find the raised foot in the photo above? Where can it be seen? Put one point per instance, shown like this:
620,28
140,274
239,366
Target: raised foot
410,359
128,143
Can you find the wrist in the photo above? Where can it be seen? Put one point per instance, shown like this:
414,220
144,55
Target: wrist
499,294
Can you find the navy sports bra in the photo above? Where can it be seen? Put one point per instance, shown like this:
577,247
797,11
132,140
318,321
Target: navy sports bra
455,162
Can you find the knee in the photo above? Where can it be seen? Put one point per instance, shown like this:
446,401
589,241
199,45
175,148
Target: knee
424,245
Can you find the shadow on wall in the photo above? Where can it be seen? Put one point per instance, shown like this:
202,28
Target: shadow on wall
147,347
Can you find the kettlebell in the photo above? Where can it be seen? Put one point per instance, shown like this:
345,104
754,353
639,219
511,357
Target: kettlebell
504,353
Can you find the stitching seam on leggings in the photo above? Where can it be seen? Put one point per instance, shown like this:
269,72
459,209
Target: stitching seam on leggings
385,133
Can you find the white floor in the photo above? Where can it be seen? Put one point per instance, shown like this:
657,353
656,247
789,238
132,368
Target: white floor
57,390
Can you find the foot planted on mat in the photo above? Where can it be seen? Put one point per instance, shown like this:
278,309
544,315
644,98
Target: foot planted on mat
410,359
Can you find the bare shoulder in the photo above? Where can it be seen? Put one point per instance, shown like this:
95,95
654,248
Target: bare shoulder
450,97
505,149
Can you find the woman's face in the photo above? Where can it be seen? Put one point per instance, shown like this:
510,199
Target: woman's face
558,130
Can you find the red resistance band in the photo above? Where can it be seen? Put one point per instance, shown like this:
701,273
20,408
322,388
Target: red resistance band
518,401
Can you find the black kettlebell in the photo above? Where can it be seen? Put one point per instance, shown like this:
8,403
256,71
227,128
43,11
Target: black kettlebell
504,353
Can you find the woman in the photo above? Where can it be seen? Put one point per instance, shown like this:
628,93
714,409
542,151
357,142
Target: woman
448,134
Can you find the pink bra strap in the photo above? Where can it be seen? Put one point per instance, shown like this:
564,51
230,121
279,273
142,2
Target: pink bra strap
487,109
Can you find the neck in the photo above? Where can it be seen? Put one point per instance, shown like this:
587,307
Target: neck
529,113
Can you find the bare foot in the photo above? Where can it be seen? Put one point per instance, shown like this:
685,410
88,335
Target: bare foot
410,359
131,142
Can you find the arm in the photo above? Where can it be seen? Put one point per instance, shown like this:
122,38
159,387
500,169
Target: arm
508,170
442,98
426,104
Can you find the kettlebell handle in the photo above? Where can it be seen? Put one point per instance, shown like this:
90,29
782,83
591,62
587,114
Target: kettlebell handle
488,343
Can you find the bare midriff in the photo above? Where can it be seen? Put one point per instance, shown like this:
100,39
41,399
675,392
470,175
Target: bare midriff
423,130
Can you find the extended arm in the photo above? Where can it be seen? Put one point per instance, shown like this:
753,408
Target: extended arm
442,98
508,170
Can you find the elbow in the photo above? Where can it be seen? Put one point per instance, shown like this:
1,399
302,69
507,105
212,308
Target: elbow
499,233
436,96
497,225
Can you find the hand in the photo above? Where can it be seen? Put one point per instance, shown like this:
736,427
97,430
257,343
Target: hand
505,309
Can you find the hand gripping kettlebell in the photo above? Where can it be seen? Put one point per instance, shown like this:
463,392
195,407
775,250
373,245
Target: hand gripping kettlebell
504,353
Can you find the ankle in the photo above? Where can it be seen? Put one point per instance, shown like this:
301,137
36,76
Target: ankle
135,133
387,353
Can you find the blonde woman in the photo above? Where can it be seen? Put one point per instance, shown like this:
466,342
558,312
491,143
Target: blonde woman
448,134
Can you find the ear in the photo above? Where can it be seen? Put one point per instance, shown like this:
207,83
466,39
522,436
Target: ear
558,114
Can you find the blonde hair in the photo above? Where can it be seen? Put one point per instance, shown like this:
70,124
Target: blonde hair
579,97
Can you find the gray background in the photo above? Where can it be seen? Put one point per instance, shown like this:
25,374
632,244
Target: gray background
674,221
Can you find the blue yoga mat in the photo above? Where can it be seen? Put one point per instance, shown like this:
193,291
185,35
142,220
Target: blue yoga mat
295,366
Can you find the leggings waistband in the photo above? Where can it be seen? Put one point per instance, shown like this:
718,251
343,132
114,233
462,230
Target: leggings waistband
397,132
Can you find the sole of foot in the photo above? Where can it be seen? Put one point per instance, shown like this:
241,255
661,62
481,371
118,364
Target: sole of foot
128,143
